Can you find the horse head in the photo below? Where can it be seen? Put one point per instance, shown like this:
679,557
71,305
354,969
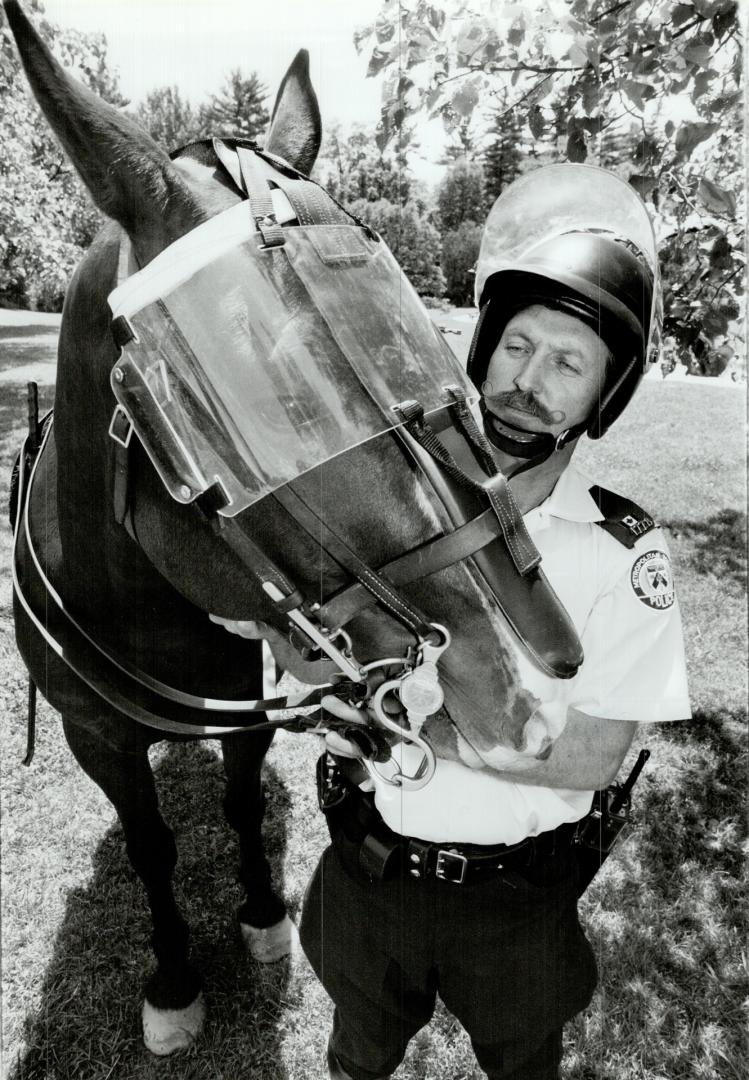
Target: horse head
172,569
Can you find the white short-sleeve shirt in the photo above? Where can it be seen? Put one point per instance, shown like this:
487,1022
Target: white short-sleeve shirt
622,603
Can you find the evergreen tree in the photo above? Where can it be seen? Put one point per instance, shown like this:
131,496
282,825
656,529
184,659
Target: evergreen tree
238,110
502,158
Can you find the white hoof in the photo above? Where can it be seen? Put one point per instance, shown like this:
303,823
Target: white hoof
167,1030
271,943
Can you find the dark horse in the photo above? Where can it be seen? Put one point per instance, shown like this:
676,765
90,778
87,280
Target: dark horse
148,599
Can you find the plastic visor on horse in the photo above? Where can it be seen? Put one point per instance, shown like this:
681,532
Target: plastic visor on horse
246,365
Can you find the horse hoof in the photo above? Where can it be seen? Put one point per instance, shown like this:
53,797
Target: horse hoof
167,1030
271,942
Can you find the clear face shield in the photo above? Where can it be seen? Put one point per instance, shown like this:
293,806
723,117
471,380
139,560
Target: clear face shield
247,366
567,198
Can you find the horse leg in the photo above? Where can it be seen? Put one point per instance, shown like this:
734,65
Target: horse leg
267,930
173,1009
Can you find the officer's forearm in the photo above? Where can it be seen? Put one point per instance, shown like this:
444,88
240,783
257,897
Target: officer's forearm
586,756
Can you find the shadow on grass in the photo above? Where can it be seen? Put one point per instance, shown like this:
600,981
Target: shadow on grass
88,1024
666,916
718,544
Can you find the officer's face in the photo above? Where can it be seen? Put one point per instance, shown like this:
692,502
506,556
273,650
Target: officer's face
547,371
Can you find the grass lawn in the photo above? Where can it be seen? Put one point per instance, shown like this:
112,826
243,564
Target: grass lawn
665,916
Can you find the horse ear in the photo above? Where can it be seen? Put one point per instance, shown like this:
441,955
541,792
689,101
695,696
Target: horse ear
295,128
129,177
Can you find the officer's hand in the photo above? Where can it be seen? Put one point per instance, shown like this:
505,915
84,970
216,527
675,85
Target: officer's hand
334,742
312,672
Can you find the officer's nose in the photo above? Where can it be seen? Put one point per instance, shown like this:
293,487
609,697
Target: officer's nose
528,379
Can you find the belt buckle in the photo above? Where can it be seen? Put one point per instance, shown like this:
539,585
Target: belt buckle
448,859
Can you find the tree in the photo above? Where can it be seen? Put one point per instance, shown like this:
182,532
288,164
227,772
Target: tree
46,216
414,242
461,195
169,118
460,252
353,167
238,109
502,157
576,69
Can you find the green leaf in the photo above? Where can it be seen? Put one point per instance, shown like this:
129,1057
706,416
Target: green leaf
384,29
577,149
634,91
690,136
680,14
466,98
377,61
516,33
591,96
724,102
536,122
724,20
436,17
714,322
643,183
700,55
715,198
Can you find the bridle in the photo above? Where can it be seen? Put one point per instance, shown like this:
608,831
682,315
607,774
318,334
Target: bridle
480,519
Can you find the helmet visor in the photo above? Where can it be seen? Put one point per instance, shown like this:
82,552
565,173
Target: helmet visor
567,198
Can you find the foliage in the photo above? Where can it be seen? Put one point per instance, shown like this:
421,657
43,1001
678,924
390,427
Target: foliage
238,109
353,167
575,69
46,215
502,156
411,237
169,118
461,195
460,252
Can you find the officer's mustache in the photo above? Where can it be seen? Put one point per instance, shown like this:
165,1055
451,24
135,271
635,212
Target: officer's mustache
525,401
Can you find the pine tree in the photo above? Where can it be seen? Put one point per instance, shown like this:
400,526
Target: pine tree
238,110
503,158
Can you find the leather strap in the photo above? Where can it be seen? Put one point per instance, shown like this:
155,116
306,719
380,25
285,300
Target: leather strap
432,557
380,588
261,202
496,489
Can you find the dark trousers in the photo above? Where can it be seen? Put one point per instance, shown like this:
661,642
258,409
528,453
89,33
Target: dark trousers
507,956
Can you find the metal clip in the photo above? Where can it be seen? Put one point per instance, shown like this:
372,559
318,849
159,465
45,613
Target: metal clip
322,637
421,695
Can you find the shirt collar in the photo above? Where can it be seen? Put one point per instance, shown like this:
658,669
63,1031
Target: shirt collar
571,498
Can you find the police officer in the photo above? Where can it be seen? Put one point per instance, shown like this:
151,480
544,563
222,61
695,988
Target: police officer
475,893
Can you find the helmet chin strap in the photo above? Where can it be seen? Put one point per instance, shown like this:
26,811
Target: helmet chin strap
532,447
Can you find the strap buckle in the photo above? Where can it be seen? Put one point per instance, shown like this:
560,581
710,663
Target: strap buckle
121,427
451,866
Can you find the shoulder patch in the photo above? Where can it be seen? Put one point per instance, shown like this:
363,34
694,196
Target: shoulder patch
623,519
652,581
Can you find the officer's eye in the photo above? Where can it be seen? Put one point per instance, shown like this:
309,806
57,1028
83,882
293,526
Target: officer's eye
567,367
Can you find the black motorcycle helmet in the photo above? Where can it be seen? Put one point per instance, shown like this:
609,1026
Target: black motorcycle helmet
578,239
593,277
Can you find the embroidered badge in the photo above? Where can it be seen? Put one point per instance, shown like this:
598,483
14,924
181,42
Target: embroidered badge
652,581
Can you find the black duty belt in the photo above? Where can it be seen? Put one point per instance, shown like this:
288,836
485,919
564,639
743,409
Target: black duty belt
367,846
